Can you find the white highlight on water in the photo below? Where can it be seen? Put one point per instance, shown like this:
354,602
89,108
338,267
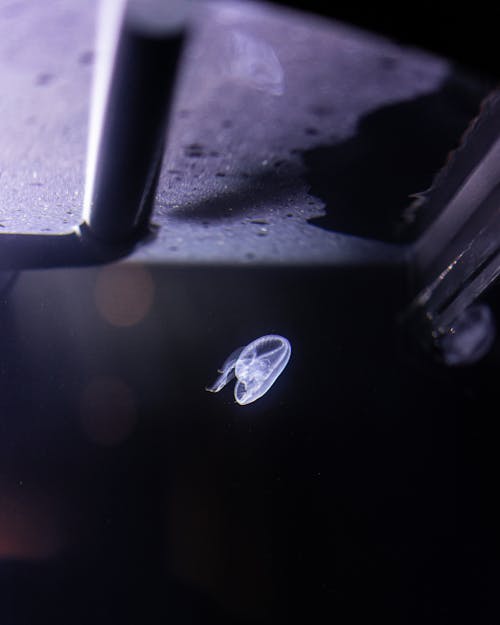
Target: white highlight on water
109,21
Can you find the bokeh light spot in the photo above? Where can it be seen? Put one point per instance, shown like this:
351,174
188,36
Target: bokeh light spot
29,523
124,294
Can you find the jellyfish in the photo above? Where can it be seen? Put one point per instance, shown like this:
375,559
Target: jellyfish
255,367
470,338
254,62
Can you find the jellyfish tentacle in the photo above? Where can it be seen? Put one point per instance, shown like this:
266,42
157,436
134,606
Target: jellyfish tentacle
231,359
227,372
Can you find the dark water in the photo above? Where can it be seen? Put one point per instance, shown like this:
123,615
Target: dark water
360,488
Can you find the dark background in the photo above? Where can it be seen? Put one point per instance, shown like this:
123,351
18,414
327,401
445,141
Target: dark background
464,32
361,488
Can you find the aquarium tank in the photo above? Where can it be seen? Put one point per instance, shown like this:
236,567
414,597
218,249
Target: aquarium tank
248,368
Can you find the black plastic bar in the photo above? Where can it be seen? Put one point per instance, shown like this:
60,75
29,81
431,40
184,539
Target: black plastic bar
131,143
46,251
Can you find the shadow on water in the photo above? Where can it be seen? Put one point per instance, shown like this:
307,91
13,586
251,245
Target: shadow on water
254,190
367,181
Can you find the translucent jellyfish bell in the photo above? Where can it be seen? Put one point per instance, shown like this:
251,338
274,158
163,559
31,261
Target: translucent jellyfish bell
470,338
256,368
